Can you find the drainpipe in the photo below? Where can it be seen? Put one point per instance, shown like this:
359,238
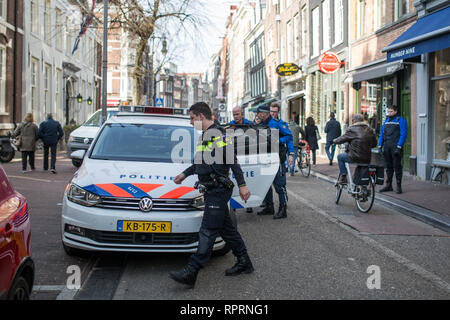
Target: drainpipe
14,111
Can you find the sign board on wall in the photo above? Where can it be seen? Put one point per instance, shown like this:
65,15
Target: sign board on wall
287,69
329,62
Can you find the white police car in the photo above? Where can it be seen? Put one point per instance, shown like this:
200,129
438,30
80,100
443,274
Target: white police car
123,197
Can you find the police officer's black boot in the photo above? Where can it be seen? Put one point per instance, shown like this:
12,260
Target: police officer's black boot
399,186
281,212
268,210
243,265
187,276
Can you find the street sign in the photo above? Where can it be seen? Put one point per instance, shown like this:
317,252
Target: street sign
159,102
329,62
287,69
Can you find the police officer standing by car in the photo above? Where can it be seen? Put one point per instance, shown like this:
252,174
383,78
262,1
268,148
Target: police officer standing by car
392,138
216,218
286,141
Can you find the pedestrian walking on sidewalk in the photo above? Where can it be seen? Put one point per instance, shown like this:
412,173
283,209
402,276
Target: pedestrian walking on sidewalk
295,130
50,132
393,135
311,136
27,132
333,130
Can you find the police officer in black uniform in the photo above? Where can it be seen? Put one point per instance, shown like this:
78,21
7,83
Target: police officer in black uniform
216,218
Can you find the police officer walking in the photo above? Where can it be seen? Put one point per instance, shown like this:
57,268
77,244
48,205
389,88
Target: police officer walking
286,141
216,218
392,138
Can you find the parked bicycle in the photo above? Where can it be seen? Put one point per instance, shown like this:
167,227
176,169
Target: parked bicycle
362,190
304,158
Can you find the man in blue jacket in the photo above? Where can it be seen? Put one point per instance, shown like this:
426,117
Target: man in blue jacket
263,112
50,132
392,138
238,118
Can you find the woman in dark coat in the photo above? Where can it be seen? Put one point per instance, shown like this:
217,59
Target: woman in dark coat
311,137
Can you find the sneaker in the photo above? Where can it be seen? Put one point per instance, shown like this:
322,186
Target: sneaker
53,171
24,171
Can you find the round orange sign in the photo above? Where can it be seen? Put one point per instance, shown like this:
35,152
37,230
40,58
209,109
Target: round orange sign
329,62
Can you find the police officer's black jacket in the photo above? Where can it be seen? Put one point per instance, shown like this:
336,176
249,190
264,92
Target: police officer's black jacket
207,148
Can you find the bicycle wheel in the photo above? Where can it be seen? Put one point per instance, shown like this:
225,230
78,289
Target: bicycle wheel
366,197
338,187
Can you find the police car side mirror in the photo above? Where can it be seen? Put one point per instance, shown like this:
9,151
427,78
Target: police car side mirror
79,154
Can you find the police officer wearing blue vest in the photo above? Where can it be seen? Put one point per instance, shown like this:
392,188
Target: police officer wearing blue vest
214,177
392,138
286,145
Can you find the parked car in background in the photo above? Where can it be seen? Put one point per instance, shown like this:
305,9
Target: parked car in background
81,138
16,265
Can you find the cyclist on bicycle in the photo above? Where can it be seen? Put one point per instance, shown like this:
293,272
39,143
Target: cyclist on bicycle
361,139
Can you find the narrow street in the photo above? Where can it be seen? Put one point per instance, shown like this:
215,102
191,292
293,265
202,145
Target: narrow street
321,251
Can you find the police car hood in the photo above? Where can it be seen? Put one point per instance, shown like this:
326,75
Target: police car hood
132,179
85,132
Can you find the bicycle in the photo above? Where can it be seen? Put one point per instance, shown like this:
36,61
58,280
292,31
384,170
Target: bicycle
304,158
364,194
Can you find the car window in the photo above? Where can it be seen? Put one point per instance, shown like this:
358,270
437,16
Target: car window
95,119
145,142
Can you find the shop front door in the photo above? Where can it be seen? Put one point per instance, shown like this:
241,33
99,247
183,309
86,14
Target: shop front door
405,112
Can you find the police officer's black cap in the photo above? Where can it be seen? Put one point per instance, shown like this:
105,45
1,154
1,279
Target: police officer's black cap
263,108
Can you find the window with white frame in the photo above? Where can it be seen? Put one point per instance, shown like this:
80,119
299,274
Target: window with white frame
58,29
47,21
58,84
2,79
304,31
372,91
315,32
289,44
34,84
361,19
3,9
326,24
379,18
338,22
401,8
68,37
47,80
296,37
34,16
269,40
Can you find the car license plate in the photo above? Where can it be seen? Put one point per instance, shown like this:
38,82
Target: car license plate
144,226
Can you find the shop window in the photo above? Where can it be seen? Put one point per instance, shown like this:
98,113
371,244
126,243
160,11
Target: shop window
441,105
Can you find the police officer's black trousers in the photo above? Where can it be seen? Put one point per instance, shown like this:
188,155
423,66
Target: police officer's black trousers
216,222
393,164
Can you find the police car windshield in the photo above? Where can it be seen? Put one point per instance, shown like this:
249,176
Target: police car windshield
95,119
145,142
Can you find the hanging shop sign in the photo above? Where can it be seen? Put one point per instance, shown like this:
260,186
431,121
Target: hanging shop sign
329,62
287,69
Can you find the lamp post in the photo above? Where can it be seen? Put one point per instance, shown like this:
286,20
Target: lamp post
164,52
105,58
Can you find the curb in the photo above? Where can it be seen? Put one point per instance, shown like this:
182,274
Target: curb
425,215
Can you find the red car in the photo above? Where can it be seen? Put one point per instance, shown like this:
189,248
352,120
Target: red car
16,265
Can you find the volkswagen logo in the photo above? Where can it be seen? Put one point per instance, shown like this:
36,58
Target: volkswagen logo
146,204
86,140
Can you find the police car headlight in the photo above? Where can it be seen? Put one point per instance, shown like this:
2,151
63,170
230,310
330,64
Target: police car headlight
81,196
70,139
199,202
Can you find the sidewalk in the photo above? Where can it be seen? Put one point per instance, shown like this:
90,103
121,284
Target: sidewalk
423,200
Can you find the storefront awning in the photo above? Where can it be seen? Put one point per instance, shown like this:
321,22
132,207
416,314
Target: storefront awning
429,33
377,72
